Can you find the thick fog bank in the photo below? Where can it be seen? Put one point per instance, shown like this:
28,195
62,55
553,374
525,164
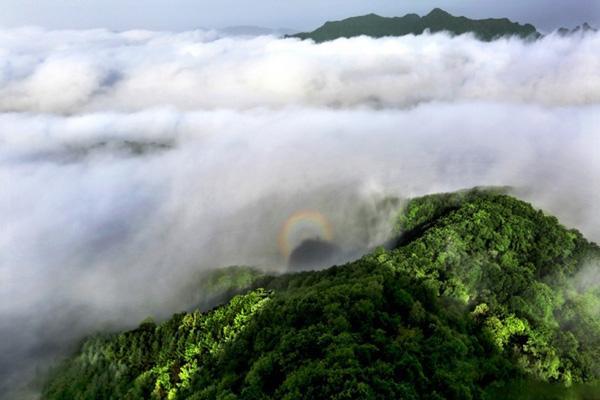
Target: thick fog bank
71,72
130,162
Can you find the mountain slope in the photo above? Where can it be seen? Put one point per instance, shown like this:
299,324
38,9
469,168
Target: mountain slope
436,21
479,295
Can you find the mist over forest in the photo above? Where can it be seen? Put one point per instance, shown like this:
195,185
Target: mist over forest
131,162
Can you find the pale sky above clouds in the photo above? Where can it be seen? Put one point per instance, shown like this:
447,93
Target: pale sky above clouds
299,14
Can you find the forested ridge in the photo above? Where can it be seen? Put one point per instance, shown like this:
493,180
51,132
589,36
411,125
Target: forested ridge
480,298
437,20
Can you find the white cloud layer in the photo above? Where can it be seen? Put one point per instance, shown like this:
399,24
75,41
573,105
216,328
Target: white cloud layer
129,161
72,72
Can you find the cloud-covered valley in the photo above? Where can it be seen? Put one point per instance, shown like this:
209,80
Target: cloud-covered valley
131,161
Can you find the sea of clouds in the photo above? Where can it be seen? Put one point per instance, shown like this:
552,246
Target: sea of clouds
130,161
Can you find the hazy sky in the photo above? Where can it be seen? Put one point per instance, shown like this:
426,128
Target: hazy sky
298,14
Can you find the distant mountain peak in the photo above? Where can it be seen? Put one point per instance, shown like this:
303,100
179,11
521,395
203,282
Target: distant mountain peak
579,29
437,20
439,12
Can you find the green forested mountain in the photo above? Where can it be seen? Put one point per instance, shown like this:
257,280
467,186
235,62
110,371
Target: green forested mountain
479,298
436,21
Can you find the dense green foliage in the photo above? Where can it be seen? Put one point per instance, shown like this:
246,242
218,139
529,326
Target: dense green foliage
478,300
436,21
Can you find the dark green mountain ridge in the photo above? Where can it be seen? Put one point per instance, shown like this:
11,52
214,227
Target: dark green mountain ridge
478,299
437,20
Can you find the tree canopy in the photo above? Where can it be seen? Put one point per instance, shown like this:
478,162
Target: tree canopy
478,299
